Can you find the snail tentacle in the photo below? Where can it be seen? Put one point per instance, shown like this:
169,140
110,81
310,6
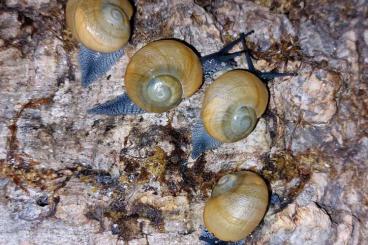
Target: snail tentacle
223,59
233,102
120,105
230,57
265,76
95,64
202,141
242,36
248,57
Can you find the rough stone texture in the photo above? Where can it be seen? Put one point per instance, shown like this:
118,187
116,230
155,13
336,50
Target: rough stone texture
72,178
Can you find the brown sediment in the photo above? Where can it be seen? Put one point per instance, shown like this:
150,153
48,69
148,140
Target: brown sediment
286,167
127,224
18,165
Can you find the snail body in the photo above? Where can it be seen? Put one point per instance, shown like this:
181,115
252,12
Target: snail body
237,205
232,105
100,25
161,73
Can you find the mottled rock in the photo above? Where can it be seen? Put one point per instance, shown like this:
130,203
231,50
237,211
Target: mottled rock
314,40
68,177
10,26
235,17
27,3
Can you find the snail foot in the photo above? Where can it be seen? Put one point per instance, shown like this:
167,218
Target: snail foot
209,239
202,141
95,64
120,105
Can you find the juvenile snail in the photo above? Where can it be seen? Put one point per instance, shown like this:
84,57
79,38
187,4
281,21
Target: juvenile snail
237,205
231,107
163,72
232,104
100,25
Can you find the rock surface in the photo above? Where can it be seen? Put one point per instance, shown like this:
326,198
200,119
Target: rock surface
68,177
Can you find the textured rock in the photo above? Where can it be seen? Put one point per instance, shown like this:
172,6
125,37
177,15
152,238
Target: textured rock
241,16
303,225
10,26
68,177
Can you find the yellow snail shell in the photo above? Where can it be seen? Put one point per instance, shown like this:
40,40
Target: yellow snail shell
237,205
161,73
232,104
100,25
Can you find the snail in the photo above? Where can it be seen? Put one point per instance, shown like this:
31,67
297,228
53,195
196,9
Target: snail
162,73
100,25
103,28
232,104
231,107
237,205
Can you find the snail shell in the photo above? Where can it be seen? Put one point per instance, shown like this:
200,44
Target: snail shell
232,104
161,73
100,25
237,205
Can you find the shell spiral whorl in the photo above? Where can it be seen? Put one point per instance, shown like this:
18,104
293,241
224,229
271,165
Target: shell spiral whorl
163,90
239,122
237,205
114,15
161,73
232,105
100,25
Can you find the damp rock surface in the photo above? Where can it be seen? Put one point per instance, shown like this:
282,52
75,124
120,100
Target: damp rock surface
68,177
